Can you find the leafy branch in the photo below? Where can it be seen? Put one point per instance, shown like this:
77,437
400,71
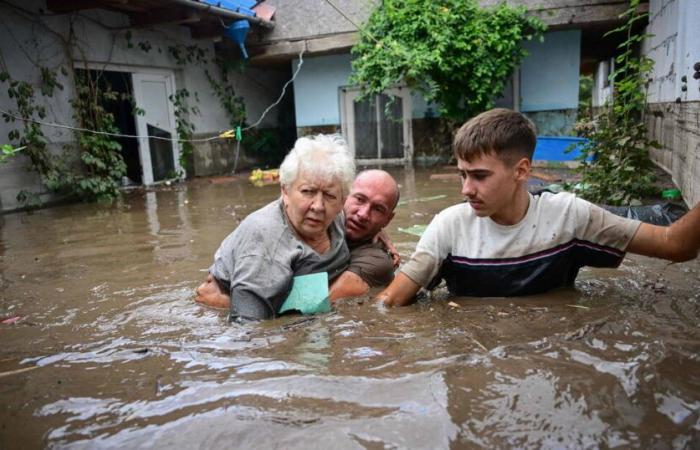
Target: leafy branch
453,51
621,172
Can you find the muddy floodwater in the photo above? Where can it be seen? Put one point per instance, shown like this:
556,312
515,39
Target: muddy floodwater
102,346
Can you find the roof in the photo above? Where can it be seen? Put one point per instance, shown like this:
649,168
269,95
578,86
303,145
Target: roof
203,17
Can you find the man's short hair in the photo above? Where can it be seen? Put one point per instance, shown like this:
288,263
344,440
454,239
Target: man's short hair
501,132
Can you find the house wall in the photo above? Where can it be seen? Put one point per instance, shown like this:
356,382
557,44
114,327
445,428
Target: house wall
549,78
674,104
25,46
317,105
549,82
316,89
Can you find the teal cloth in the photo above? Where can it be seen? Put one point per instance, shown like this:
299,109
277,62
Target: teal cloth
309,294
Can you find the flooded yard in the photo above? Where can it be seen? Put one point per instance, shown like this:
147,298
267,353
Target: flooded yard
109,350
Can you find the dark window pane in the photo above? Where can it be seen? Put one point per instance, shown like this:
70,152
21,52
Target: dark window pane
365,129
161,154
391,126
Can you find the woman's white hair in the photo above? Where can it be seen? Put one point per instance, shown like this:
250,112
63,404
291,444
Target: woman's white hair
324,157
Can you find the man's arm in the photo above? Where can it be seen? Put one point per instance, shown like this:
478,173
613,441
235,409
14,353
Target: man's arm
209,293
678,242
401,292
348,284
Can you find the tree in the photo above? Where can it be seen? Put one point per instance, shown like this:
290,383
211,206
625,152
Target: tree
453,51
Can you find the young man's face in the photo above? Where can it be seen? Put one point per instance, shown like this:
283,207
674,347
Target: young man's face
491,186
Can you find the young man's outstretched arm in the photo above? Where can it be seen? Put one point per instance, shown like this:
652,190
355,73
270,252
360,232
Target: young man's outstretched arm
401,292
677,242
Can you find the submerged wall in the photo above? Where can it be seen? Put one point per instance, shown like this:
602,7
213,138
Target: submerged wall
674,93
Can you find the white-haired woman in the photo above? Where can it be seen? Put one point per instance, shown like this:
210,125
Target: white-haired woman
300,233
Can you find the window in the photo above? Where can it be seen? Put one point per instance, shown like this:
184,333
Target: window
378,128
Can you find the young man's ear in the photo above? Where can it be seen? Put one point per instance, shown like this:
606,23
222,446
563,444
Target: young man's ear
522,169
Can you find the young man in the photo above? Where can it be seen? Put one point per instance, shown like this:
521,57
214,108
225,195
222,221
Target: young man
369,208
504,241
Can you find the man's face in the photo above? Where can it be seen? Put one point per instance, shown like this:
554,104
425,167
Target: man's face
369,207
490,185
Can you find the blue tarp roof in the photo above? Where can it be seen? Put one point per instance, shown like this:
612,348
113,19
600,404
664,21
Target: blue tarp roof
239,6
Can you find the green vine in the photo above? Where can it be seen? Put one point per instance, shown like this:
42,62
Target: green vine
453,51
621,172
185,129
97,173
103,165
29,135
7,151
222,87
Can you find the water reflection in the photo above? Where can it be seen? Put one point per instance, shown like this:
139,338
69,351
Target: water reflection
110,351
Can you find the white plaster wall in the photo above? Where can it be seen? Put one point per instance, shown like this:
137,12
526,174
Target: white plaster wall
102,40
602,89
675,47
675,123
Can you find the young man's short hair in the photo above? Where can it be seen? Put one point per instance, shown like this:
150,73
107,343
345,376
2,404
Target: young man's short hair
501,132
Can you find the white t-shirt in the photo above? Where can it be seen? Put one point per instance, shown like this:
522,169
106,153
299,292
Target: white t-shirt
559,234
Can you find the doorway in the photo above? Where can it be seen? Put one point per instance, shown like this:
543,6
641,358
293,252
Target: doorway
143,108
122,109
155,123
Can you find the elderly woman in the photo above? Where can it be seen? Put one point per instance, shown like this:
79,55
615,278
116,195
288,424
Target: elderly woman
300,233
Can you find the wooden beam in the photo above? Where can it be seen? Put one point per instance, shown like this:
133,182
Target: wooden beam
76,5
291,49
584,16
165,16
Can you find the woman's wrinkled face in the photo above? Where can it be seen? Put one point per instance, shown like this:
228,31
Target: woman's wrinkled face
311,205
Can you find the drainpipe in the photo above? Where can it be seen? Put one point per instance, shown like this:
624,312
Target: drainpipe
224,12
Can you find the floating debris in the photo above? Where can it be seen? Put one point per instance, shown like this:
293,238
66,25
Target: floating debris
415,230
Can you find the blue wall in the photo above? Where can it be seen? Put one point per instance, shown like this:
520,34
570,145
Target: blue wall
549,74
316,89
548,81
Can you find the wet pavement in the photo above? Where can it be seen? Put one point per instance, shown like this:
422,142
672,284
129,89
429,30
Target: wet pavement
108,350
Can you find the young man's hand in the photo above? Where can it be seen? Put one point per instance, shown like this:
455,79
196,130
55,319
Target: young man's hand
677,242
401,292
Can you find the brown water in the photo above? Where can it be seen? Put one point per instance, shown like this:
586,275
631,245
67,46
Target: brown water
116,354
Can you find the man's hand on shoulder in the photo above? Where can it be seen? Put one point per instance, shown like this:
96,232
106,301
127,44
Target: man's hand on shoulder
209,294
389,246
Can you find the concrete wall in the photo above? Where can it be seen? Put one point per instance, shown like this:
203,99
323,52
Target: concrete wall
316,89
30,40
675,104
